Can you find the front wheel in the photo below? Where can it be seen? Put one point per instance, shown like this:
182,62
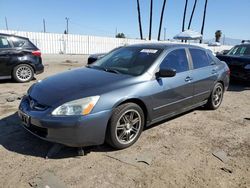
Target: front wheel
126,125
216,97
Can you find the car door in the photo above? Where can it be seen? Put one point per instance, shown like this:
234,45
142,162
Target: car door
177,91
204,74
5,49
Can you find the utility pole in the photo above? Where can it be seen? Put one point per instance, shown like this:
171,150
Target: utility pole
67,25
44,26
6,23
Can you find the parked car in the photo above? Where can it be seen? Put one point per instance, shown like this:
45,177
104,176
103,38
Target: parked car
238,60
20,59
223,52
94,57
128,89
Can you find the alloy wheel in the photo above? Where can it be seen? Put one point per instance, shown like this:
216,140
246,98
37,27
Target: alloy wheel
24,73
128,126
217,96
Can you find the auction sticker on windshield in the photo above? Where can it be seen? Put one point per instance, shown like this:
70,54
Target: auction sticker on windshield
149,51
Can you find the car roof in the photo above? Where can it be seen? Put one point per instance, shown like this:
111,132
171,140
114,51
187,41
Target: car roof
244,44
12,35
164,45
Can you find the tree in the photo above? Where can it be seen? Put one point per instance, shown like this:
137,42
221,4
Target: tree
120,35
218,34
139,18
204,19
150,19
192,14
162,14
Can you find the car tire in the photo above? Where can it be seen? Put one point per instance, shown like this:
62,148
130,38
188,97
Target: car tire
125,126
216,97
23,73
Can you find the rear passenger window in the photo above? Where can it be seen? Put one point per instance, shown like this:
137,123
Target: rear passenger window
17,42
4,43
200,58
177,60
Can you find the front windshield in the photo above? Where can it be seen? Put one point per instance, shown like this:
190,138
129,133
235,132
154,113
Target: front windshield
240,50
128,60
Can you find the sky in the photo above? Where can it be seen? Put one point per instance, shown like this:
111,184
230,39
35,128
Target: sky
105,17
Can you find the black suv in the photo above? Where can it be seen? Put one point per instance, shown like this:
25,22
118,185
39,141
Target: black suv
20,59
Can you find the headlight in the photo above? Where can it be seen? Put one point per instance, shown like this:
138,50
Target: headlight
247,66
77,107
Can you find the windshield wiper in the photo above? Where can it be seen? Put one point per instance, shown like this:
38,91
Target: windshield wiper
113,70
105,69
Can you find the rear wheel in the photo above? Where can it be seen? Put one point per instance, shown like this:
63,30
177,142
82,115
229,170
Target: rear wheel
125,126
23,73
216,97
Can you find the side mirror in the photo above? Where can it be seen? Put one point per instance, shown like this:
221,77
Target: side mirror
166,73
91,60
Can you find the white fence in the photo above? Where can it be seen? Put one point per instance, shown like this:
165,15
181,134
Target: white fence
53,43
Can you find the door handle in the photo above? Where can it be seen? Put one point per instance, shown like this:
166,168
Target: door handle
214,71
188,79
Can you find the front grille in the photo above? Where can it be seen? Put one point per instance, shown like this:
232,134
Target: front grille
34,105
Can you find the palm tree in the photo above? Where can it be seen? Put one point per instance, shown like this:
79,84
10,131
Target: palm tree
191,17
162,13
204,19
139,18
218,34
184,16
150,23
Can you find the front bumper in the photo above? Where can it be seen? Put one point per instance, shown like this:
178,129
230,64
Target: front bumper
71,131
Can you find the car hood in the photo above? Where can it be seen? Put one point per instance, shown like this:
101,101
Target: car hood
234,59
75,84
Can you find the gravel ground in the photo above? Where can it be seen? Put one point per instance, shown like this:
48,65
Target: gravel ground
180,152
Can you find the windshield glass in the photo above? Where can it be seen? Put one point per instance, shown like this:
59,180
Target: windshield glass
240,50
128,60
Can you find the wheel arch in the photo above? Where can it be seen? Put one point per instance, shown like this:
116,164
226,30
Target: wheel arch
23,63
140,103
223,84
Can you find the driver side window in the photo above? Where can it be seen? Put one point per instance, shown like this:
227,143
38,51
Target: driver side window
176,60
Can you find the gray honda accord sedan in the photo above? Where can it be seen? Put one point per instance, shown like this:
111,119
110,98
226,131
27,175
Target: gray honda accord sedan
119,95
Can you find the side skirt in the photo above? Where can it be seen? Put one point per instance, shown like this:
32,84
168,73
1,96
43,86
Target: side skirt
167,116
5,77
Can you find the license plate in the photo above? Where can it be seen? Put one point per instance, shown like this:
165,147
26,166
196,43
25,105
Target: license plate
25,118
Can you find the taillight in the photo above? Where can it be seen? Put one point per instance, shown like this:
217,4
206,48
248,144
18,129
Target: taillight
37,53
